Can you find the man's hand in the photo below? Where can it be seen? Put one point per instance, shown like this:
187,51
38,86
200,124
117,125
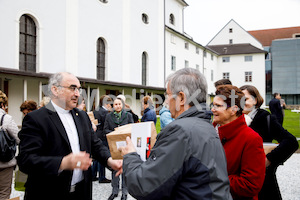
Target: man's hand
115,165
129,147
79,160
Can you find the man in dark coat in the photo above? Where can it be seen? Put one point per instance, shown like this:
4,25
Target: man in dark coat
275,107
100,113
187,161
56,144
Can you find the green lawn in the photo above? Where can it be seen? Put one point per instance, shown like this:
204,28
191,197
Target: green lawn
291,122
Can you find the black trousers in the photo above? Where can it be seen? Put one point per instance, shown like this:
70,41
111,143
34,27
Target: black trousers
78,194
270,189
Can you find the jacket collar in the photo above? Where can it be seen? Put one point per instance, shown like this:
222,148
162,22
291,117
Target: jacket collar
232,129
60,127
199,111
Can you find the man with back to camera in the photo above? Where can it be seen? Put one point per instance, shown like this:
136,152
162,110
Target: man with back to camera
56,143
187,160
275,107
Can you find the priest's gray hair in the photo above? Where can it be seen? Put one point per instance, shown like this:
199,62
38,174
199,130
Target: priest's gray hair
56,80
191,82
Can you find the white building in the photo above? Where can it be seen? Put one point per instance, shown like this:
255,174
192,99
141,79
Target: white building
127,47
241,57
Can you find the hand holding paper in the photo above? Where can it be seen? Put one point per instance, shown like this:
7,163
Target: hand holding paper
129,148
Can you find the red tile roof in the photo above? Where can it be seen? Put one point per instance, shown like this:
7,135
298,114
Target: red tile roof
265,37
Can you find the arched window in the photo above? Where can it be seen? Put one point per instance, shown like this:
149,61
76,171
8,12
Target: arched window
172,19
27,44
145,18
144,68
100,59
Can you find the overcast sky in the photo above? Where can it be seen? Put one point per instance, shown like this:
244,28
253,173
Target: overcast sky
203,19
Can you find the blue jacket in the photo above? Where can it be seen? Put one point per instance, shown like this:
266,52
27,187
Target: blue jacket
149,115
165,117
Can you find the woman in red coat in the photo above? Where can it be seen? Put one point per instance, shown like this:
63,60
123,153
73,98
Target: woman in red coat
243,146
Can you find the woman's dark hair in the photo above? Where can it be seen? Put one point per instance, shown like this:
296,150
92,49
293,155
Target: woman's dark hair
226,91
253,91
28,105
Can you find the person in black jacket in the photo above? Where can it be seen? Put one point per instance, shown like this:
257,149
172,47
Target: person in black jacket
269,129
275,107
100,113
115,119
56,143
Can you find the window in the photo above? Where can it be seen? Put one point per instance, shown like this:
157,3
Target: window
197,50
144,68
100,59
226,75
230,41
225,59
248,76
173,63
197,66
27,44
204,54
172,19
230,30
186,45
145,18
248,58
212,75
186,64
211,56
173,38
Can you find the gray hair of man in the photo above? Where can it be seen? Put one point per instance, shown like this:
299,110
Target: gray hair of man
191,82
55,80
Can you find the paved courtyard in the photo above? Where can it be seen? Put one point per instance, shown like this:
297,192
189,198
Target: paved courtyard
288,178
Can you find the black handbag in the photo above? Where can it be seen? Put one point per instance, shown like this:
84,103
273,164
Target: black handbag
7,145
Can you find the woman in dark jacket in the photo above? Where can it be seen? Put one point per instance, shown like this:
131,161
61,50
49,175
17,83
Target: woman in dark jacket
149,112
115,119
269,129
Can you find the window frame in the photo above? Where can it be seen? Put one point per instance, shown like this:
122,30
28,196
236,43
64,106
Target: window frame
27,44
247,58
248,76
225,59
101,59
226,75
172,19
173,63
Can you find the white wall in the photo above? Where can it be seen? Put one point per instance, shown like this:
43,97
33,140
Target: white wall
237,68
175,8
238,35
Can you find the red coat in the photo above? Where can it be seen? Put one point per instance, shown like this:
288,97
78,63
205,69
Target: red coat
245,159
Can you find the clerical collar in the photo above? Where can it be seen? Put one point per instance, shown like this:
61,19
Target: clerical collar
59,109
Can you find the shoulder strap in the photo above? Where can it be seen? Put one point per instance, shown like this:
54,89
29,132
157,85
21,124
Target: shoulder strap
268,121
2,119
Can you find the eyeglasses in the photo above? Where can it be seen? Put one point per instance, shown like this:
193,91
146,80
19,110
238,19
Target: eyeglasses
73,88
217,106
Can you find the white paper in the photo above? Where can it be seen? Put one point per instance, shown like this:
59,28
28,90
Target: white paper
120,144
139,134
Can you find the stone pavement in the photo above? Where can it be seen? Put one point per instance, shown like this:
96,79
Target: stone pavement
288,176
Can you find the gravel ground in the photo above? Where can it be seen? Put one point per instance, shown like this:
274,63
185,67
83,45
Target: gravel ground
287,175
